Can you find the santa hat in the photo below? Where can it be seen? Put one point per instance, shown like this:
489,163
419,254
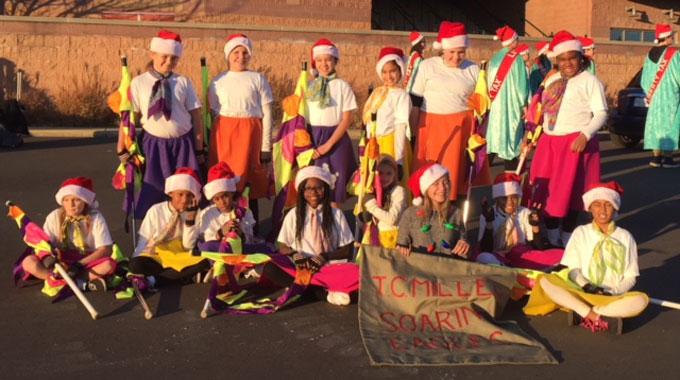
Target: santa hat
388,54
586,43
564,42
184,179
415,37
451,35
523,49
80,187
542,47
662,31
610,192
423,178
220,179
506,184
313,171
323,46
236,40
506,35
167,42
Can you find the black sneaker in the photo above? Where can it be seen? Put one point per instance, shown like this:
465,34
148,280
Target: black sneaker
668,162
96,285
655,162
614,325
49,261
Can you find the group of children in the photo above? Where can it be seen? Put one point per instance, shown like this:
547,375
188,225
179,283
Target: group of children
315,234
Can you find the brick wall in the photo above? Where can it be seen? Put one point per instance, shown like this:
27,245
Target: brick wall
60,59
551,16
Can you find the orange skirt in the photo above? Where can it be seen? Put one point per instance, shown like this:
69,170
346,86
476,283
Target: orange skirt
238,141
443,139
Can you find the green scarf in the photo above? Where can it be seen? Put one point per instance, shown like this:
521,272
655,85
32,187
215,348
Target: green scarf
318,90
608,254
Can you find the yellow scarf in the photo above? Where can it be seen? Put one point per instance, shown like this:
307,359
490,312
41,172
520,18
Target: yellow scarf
608,254
78,240
375,100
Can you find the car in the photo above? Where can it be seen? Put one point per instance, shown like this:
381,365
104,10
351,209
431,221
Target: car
626,121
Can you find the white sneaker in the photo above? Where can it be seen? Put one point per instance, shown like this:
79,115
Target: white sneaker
338,298
254,272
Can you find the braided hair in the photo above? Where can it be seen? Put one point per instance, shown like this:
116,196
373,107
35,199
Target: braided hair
327,222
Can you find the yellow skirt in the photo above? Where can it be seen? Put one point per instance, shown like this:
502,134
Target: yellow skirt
540,304
173,255
386,144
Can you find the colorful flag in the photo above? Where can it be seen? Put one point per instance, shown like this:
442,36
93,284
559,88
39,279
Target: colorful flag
480,102
291,151
127,177
207,118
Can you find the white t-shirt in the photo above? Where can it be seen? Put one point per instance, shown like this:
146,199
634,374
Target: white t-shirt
392,117
239,94
184,99
579,252
583,97
524,229
342,100
343,235
212,219
155,222
445,90
95,237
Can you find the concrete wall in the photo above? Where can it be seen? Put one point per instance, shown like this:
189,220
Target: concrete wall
62,59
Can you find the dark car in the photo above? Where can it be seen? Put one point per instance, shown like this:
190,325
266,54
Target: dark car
626,121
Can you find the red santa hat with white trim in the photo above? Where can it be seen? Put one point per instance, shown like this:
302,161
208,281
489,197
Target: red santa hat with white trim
415,37
542,47
168,43
506,184
81,187
564,42
523,49
236,40
586,43
391,54
452,35
506,35
662,31
423,178
184,179
321,47
220,179
610,192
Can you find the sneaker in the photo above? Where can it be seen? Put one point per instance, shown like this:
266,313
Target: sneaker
668,162
655,162
49,261
98,284
615,325
595,326
338,298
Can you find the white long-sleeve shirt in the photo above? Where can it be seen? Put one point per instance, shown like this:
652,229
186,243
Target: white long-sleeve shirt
389,219
579,252
212,219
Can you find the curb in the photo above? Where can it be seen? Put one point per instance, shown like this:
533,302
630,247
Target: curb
107,133
110,133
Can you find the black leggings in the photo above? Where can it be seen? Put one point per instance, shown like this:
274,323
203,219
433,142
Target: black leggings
150,267
568,222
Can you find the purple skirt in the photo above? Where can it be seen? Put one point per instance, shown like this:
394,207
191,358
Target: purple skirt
163,158
340,160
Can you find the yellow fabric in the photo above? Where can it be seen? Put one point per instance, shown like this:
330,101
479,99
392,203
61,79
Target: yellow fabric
386,144
173,255
388,239
375,100
540,304
78,239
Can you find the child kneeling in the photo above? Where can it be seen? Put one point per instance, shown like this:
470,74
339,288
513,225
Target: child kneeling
317,237
510,234
79,232
602,262
169,232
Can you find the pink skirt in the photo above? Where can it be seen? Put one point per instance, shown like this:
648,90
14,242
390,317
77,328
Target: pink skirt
560,176
334,277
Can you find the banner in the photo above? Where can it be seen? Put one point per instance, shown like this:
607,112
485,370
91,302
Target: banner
435,310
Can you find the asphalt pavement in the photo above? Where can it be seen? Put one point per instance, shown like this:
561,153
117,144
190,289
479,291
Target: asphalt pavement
311,339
